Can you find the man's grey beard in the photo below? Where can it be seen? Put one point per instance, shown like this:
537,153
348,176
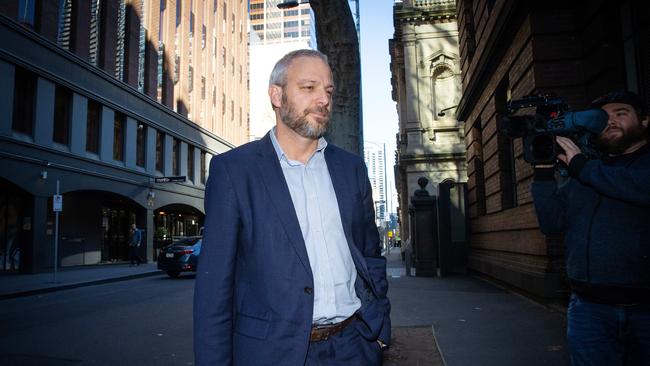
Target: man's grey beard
299,123
617,146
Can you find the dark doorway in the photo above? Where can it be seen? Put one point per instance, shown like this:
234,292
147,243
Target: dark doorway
15,228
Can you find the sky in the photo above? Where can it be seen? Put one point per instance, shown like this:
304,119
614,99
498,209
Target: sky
379,110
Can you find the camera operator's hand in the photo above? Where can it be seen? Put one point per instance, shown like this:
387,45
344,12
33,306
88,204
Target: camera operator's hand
569,147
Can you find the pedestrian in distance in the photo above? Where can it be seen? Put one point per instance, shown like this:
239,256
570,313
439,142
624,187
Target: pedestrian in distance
290,271
135,239
603,210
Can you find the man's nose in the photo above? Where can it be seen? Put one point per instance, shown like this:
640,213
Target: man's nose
323,98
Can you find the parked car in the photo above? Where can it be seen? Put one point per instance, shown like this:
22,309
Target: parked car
180,256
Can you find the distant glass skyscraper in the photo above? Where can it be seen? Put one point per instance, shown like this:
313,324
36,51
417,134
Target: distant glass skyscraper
375,158
274,32
274,25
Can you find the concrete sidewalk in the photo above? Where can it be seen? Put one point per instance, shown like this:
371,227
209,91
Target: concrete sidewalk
467,322
17,285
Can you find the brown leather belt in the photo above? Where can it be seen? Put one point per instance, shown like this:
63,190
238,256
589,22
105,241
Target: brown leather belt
323,332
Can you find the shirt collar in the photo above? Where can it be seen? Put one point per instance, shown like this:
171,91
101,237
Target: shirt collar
322,144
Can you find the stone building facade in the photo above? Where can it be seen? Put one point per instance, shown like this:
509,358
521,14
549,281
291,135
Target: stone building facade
425,67
509,49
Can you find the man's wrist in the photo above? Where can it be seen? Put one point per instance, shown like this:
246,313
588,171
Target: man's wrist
576,164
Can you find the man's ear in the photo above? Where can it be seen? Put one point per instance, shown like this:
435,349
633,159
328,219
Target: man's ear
645,120
275,93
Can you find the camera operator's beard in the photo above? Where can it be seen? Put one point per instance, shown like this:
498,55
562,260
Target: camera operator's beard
618,145
299,122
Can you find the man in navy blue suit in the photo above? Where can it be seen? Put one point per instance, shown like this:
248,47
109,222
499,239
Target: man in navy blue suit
290,272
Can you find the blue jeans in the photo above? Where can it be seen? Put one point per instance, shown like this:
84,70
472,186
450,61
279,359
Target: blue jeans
612,335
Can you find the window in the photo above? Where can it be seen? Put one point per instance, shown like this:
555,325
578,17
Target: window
291,24
141,144
203,167
176,151
203,34
160,151
24,94
121,56
223,104
92,126
291,34
290,13
478,169
118,136
64,24
26,13
95,25
179,9
506,155
62,114
190,163
190,78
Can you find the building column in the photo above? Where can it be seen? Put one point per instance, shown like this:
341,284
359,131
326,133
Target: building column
182,164
78,124
150,153
168,152
44,116
107,131
42,237
7,72
150,234
131,142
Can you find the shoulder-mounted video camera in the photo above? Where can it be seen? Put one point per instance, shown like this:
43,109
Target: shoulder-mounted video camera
550,118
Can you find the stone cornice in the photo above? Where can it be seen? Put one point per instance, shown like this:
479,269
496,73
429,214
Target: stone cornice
425,11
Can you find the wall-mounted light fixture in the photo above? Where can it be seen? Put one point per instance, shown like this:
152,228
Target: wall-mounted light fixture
44,174
442,111
291,4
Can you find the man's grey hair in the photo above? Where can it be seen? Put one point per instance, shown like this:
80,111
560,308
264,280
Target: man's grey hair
279,73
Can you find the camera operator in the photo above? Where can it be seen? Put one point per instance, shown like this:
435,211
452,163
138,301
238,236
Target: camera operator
603,210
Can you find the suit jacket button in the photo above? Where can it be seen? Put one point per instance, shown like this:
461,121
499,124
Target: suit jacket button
308,290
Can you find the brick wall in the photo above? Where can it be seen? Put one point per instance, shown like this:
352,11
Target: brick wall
575,51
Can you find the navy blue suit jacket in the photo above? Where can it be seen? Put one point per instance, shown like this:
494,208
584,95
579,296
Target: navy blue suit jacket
253,299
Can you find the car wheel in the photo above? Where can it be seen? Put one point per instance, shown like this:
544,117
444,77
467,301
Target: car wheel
173,274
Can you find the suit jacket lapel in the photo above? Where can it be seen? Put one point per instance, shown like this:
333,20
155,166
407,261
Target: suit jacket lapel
273,179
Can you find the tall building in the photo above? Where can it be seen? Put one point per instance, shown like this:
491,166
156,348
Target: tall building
509,49
275,25
274,32
426,80
99,101
374,155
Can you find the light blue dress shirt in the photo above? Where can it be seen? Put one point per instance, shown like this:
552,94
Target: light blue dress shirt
314,200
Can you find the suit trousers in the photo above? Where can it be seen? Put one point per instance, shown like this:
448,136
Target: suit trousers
344,348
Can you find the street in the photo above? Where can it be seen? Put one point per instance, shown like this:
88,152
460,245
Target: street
144,321
455,321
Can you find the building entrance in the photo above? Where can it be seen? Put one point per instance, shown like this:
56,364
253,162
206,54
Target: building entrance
15,227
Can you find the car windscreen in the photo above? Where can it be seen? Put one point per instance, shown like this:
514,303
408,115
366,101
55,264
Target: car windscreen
186,242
